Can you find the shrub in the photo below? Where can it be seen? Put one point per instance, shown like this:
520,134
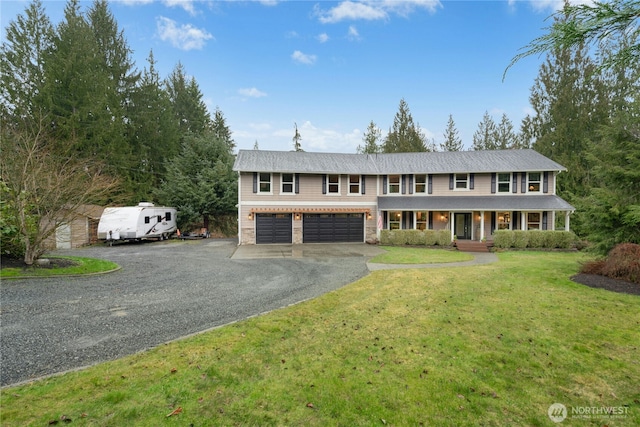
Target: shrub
385,237
520,239
536,239
443,237
503,239
430,237
623,262
414,237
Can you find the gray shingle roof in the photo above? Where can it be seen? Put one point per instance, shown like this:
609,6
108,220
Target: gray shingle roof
478,203
397,163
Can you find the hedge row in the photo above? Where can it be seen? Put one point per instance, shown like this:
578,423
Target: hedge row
537,239
415,237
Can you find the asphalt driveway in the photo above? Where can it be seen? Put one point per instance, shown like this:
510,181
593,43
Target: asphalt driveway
164,291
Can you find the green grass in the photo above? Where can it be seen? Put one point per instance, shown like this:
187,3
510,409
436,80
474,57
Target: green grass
82,266
416,255
488,345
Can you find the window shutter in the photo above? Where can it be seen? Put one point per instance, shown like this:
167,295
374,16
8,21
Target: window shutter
430,189
324,184
255,182
544,220
514,183
411,184
471,180
430,219
450,181
403,183
384,184
545,183
515,218
523,184
385,219
297,178
493,183
362,189
493,221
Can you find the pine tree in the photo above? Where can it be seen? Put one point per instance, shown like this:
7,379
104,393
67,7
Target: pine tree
485,138
371,139
221,130
452,141
29,40
296,139
190,111
405,136
505,136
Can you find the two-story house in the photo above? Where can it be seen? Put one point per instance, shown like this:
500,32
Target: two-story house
303,197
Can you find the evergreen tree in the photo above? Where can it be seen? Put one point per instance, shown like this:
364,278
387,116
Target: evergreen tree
296,139
29,40
153,134
525,138
452,141
200,181
505,136
371,139
190,112
485,138
221,130
405,136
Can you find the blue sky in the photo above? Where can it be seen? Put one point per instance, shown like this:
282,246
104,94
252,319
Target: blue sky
334,66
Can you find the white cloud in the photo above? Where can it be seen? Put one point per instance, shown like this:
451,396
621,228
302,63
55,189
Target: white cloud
353,33
371,10
553,5
318,139
251,92
185,37
303,58
322,38
185,4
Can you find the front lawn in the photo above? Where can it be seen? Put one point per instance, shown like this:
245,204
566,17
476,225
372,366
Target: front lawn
490,345
419,255
59,266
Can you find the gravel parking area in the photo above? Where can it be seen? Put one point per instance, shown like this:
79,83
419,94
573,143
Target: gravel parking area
164,291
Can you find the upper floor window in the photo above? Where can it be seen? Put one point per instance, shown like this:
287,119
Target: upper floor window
264,182
533,183
354,184
420,184
504,183
287,183
394,184
333,184
462,181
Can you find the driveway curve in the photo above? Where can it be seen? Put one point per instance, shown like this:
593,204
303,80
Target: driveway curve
164,291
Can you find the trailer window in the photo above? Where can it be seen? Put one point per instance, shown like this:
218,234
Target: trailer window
167,216
146,220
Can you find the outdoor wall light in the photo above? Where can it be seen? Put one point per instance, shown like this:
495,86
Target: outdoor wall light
369,215
297,217
250,215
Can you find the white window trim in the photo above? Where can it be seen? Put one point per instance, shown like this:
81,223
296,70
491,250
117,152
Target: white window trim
455,182
270,192
540,183
399,184
293,184
339,193
415,184
394,221
527,220
349,184
498,183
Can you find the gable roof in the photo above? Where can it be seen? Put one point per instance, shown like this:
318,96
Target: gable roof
395,163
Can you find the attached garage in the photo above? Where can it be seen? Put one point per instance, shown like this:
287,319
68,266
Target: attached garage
330,228
273,228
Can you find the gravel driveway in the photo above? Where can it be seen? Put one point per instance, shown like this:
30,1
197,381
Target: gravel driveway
164,291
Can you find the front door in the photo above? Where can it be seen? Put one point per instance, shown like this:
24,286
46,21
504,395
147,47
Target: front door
463,226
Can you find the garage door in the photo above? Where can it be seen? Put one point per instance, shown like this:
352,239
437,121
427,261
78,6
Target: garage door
325,228
273,228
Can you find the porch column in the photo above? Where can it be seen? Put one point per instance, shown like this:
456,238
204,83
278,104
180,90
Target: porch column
481,225
452,225
566,220
523,218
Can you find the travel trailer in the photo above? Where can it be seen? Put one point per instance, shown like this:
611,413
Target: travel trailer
145,221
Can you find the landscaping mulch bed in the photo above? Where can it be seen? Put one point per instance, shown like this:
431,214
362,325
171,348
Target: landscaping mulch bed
602,282
8,262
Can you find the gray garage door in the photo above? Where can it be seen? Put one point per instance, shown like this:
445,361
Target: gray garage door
325,228
273,228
